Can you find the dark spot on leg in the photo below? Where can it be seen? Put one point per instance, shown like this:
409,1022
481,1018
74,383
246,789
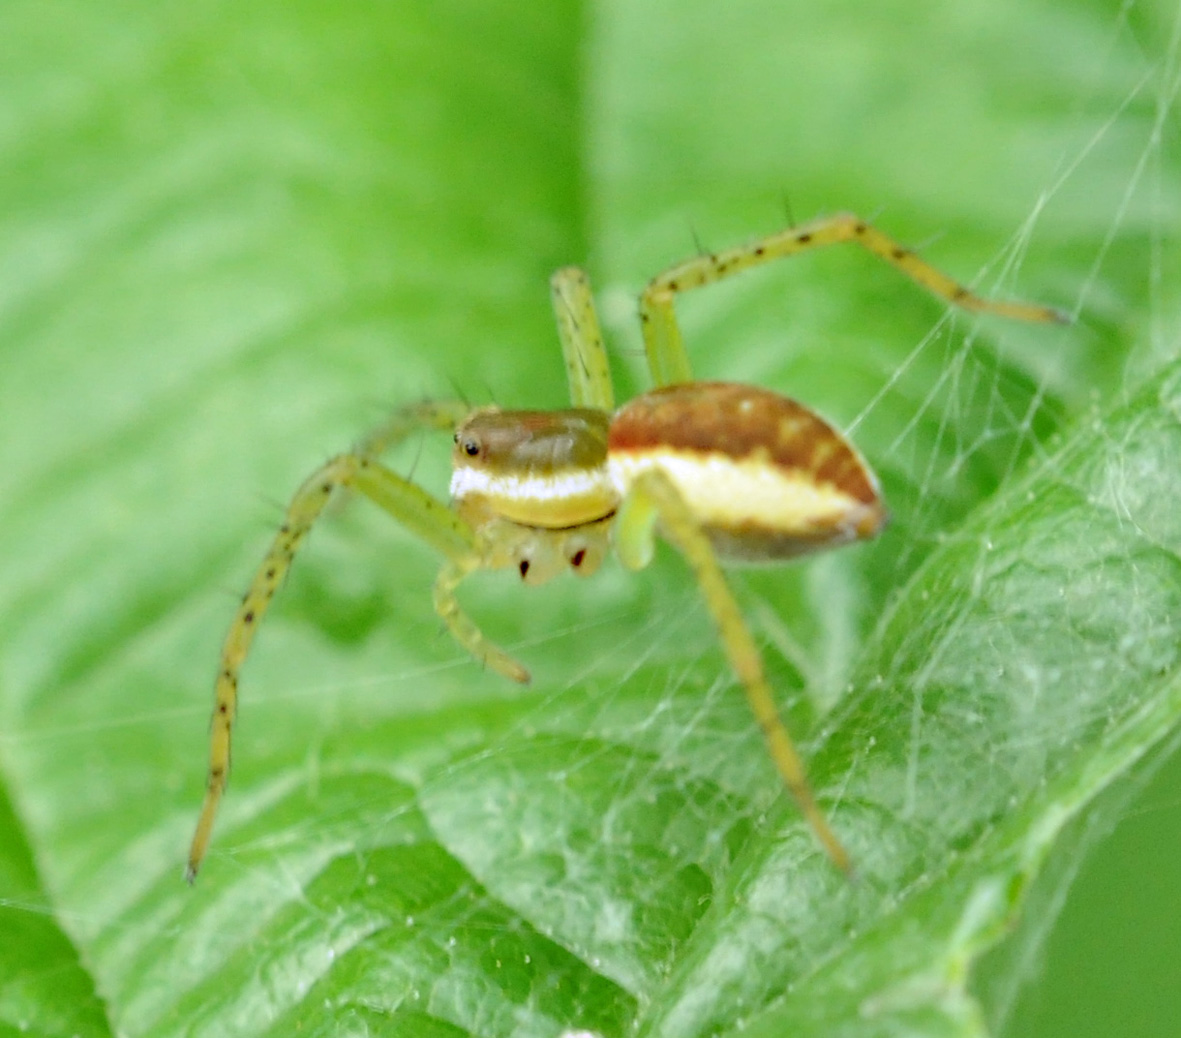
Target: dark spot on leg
578,558
899,254
768,725
523,566
859,228
248,616
804,238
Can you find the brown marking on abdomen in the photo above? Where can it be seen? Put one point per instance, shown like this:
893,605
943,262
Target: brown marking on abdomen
743,422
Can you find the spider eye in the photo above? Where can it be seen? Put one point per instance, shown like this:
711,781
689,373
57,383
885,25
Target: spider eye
471,448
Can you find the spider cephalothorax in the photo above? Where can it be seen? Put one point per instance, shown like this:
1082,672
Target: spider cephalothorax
725,472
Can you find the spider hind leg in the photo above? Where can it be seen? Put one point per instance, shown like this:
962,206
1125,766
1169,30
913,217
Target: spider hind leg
653,500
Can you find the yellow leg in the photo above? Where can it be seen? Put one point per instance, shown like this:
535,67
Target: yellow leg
662,337
653,497
422,514
464,631
587,367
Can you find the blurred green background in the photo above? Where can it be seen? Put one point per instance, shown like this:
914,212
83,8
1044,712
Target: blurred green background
230,236
1111,963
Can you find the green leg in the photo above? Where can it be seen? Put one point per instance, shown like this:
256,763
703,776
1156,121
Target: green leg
461,627
653,498
587,367
422,514
662,337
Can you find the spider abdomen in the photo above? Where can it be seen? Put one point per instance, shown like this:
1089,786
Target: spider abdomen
765,476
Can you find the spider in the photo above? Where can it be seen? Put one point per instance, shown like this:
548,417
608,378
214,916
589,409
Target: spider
725,472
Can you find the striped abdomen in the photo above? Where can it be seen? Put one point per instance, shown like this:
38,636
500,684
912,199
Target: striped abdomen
767,477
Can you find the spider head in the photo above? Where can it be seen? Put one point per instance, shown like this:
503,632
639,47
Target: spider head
537,468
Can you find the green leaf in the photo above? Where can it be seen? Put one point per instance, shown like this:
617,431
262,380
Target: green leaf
43,987
231,237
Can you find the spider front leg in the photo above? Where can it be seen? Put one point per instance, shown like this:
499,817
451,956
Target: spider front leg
587,368
665,348
651,499
422,514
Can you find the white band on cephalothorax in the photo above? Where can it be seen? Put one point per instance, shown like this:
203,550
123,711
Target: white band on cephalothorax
539,489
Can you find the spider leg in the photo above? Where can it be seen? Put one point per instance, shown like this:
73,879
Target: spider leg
653,498
587,368
462,629
422,514
662,337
